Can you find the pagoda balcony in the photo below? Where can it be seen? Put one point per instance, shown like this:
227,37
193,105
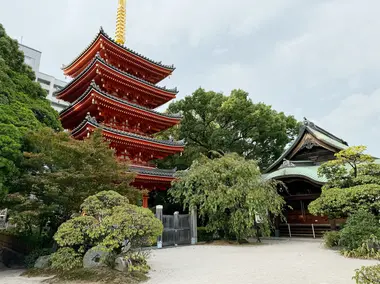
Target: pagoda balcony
117,82
145,148
126,59
116,113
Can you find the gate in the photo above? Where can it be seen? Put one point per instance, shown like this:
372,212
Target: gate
179,229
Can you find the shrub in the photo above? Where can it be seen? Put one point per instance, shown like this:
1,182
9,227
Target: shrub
110,222
31,258
369,249
367,275
66,259
331,239
358,229
204,235
137,262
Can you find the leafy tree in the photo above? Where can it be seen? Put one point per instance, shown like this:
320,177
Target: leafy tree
215,123
229,192
58,173
344,170
23,107
353,184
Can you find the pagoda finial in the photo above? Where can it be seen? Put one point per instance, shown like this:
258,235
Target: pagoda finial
121,22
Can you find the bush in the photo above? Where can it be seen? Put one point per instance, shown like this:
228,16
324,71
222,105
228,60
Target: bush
367,275
66,259
137,262
331,239
204,235
358,229
31,258
370,249
110,222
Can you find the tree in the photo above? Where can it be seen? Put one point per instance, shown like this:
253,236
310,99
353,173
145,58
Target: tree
59,172
23,107
229,192
353,184
213,122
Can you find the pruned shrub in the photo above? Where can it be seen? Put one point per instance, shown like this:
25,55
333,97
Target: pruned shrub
369,249
112,223
358,229
204,235
32,257
367,275
331,239
66,259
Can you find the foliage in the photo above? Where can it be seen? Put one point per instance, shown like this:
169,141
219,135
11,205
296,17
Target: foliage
359,227
137,262
353,184
204,235
340,202
368,275
369,249
331,239
113,224
342,171
66,259
23,107
215,123
32,257
229,192
59,172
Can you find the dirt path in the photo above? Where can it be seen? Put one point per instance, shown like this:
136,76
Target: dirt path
282,262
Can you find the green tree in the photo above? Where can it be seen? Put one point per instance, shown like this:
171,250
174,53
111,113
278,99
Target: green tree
58,173
229,192
23,107
215,123
353,184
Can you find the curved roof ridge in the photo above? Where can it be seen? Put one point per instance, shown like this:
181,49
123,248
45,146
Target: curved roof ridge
97,58
102,32
93,121
93,86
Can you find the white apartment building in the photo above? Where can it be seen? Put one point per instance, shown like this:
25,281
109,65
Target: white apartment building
47,82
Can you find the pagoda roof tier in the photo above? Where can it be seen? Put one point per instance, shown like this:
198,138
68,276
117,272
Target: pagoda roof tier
99,67
127,138
103,42
152,178
94,96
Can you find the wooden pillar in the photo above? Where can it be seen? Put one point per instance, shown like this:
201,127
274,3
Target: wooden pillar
145,200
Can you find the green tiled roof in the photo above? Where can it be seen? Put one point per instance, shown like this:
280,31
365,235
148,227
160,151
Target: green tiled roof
319,133
308,172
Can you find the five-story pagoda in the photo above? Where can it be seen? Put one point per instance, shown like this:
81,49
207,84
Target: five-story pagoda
114,89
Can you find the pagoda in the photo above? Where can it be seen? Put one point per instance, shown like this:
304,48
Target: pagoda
115,89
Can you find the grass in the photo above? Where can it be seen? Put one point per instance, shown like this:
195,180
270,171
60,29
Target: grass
82,275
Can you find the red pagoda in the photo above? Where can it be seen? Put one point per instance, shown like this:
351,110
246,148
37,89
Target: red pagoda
114,89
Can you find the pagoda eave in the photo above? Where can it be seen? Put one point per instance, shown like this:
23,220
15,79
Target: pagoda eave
103,42
128,139
94,99
101,69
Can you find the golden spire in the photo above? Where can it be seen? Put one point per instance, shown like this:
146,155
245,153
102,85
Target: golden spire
121,22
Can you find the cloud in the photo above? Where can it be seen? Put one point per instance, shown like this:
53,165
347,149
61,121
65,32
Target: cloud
357,119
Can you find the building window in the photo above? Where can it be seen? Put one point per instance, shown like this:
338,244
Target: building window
42,81
56,87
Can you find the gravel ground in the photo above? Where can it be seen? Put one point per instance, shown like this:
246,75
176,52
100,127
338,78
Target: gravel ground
12,277
285,262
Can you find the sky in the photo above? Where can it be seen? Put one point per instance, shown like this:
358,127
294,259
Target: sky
318,59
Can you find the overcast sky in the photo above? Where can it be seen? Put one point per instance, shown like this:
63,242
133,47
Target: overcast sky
318,59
